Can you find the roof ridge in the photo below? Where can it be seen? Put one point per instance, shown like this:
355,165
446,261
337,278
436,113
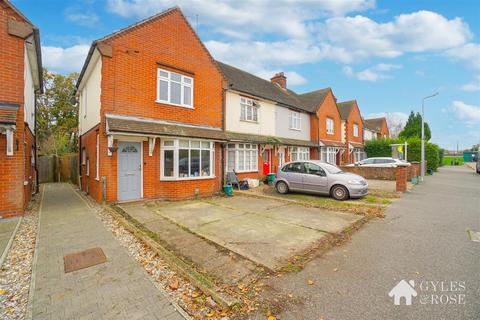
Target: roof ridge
315,91
253,75
347,101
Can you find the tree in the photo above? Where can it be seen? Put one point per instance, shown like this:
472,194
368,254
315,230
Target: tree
413,128
57,114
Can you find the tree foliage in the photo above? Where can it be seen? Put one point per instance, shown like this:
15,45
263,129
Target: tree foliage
57,114
431,152
413,128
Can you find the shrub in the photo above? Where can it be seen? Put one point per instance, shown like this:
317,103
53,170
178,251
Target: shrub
431,152
441,153
379,148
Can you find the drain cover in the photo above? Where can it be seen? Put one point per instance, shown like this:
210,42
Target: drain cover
83,259
474,236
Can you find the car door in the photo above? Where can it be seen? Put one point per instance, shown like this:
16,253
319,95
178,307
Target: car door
293,173
314,178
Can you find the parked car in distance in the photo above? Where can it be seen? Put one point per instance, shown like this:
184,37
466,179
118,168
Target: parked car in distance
379,162
314,176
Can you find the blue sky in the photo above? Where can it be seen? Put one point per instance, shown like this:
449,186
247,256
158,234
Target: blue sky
386,54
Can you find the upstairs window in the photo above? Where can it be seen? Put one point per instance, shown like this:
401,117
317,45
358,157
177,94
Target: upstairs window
330,126
248,110
295,120
174,88
355,130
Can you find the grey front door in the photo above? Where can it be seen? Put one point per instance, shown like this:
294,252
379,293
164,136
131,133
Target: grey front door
129,171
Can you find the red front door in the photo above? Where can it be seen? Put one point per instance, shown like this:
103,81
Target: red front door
267,161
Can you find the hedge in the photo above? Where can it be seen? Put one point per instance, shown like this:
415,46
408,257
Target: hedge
380,147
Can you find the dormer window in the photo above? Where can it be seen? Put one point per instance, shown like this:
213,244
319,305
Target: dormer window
174,88
295,120
248,110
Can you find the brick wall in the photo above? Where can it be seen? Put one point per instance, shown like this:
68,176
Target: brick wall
329,109
88,183
12,172
372,173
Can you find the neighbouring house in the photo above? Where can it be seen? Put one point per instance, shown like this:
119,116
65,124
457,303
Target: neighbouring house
266,124
352,131
326,126
375,128
21,82
151,119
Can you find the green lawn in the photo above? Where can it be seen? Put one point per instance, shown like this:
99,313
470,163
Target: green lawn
447,160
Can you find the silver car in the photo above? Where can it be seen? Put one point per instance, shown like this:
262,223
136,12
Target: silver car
379,162
313,176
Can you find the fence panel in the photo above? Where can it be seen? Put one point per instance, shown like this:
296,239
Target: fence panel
55,169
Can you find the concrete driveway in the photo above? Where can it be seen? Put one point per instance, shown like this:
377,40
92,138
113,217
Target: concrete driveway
265,231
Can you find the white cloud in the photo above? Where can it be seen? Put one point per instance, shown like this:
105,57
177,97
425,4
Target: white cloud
287,17
466,112
472,86
374,73
469,54
419,31
64,60
83,19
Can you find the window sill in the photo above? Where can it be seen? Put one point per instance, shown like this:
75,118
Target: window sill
173,104
186,178
331,133
295,129
246,171
249,121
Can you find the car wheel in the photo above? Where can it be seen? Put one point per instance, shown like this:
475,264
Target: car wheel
340,193
282,187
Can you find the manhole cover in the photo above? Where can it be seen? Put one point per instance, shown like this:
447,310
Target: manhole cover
474,236
83,259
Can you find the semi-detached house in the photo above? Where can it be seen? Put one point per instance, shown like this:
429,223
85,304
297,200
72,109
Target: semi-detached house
376,128
20,82
162,119
352,131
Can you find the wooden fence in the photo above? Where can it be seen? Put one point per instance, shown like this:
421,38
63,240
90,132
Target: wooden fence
63,168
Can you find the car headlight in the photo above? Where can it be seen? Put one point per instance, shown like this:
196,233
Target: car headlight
356,182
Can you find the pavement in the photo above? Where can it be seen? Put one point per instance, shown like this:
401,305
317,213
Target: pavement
264,231
7,228
116,289
423,238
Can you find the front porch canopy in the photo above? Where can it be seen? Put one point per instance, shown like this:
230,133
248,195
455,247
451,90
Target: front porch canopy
269,140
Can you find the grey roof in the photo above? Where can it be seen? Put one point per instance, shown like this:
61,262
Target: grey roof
374,124
345,108
254,138
311,100
248,83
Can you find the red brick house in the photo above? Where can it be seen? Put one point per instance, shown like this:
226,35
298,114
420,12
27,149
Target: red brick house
325,125
352,131
151,106
21,81
376,128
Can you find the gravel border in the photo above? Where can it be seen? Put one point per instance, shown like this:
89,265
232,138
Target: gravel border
16,271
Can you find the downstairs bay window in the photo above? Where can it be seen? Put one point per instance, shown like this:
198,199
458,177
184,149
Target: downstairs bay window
299,153
187,159
329,155
242,157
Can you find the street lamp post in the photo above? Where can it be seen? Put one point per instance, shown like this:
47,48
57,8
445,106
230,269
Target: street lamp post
422,162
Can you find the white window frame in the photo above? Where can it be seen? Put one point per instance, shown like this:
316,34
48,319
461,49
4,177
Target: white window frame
245,151
176,147
329,155
88,167
247,105
84,156
9,133
295,120
299,153
183,84
359,154
355,130
330,126
97,158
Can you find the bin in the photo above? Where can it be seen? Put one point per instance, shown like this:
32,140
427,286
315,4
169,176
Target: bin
228,189
271,178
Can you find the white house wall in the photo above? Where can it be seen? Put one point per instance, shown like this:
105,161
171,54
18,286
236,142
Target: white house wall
266,117
89,95
367,134
29,94
282,125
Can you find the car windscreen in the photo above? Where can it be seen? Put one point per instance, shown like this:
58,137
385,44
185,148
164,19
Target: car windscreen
331,168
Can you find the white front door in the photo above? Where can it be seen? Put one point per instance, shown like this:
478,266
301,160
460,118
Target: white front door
281,157
129,170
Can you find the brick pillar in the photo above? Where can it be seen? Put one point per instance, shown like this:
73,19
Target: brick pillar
401,178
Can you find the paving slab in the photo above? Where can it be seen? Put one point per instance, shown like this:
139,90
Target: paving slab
116,289
7,227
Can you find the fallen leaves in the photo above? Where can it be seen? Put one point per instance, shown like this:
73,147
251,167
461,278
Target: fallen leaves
173,284
310,282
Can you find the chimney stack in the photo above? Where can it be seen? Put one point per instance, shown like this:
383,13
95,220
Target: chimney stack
280,79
